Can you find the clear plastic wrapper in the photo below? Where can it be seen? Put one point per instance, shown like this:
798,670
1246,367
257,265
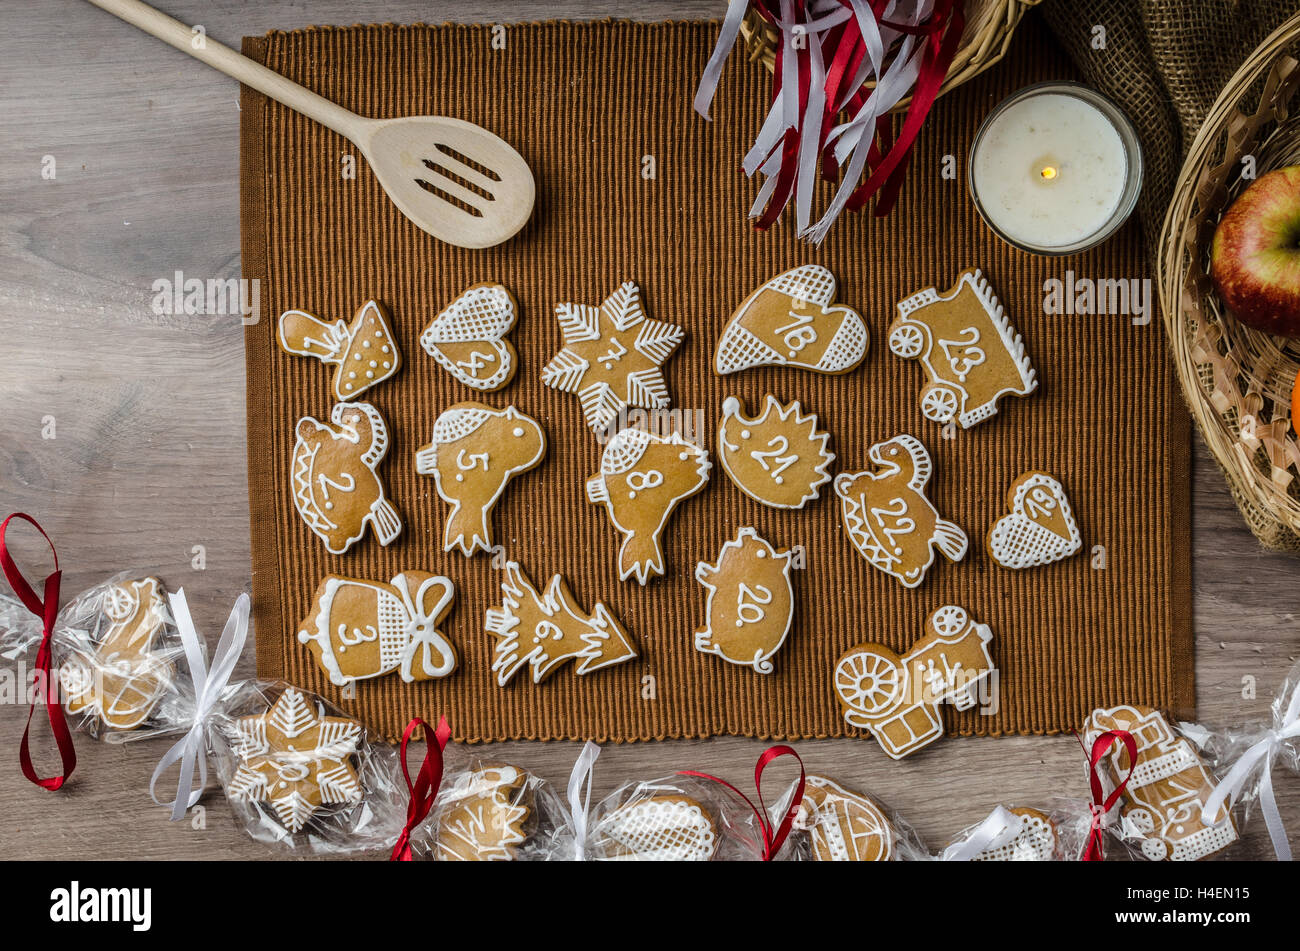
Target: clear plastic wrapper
1160,815
836,823
302,775
1245,761
1055,831
494,811
117,655
674,819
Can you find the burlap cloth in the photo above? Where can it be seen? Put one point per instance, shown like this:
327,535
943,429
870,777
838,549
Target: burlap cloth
586,104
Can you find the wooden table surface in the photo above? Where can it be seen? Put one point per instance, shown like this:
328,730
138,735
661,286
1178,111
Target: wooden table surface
124,431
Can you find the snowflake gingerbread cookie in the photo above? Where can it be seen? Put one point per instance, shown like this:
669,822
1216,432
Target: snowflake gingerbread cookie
1040,528
336,488
643,478
476,450
613,356
896,699
790,321
484,817
750,607
361,629
541,631
468,339
779,457
363,353
888,516
971,354
296,759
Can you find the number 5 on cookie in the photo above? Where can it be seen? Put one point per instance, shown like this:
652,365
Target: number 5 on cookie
896,699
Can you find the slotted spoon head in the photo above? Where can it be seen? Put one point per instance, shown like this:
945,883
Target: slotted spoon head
453,179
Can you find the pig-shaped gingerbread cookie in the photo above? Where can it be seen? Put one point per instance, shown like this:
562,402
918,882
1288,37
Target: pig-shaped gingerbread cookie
751,602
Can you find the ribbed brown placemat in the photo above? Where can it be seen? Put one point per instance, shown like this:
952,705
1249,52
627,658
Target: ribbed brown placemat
586,104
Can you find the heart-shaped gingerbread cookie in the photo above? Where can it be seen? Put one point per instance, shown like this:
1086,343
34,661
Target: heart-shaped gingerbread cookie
1041,527
468,338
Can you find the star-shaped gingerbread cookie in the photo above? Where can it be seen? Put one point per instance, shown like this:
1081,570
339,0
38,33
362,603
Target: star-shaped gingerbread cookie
612,356
295,758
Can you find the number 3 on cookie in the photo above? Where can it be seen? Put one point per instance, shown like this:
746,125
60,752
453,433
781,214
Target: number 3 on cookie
747,603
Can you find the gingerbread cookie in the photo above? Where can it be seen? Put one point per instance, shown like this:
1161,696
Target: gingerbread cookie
971,354
665,828
790,321
897,699
843,826
642,479
122,679
361,629
543,631
1161,807
475,451
1041,527
778,458
363,353
296,759
888,516
750,606
612,356
1031,836
335,486
486,816
468,339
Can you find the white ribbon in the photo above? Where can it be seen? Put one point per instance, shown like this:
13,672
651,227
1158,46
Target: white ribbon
190,750
1000,828
580,805
713,70
1259,754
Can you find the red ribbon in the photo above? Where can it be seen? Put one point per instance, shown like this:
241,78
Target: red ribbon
425,788
47,609
1092,850
773,837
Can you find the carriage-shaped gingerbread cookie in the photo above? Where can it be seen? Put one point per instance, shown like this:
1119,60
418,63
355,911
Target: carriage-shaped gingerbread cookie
971,354
897,698
1163,801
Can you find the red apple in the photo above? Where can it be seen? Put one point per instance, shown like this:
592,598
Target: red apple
1255,258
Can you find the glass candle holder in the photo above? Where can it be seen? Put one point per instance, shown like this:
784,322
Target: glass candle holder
1055,168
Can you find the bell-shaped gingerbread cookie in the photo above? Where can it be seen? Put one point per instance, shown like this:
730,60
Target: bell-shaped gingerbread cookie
790,321
335,486
363,352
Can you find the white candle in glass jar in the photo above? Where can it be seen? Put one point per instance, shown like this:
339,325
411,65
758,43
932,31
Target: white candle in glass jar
1051,171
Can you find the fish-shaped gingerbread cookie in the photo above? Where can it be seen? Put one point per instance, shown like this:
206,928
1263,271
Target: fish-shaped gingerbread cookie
642,479
475,451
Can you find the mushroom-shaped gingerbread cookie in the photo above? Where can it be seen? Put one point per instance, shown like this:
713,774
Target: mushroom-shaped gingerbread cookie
363,352
335,487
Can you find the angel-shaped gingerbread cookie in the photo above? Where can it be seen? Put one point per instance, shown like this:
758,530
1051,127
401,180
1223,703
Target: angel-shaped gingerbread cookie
335,486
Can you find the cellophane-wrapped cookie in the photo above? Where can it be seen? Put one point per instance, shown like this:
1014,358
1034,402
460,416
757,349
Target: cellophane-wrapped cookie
302,775
674,819
838,823
1161,814
495,811
1054,831
117,658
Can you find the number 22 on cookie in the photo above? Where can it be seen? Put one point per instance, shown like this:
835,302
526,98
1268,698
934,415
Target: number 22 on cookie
902,523
798,333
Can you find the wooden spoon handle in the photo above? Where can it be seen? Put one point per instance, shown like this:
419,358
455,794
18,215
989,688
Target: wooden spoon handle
236,66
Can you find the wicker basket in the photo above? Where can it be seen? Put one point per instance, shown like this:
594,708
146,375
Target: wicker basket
984,41
1237,381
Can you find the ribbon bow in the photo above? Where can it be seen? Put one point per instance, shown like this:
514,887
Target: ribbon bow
773,837
424,790
191,750
47,609
421,626
1259,755
1101,805
579,808
1000,827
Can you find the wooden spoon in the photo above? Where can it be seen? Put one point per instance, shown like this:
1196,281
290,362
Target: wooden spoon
453,179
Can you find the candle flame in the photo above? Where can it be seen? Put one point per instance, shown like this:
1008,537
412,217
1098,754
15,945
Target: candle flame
1048,172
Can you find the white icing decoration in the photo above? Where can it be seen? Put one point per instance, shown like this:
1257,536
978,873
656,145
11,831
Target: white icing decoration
1022,539
482,315
659,830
